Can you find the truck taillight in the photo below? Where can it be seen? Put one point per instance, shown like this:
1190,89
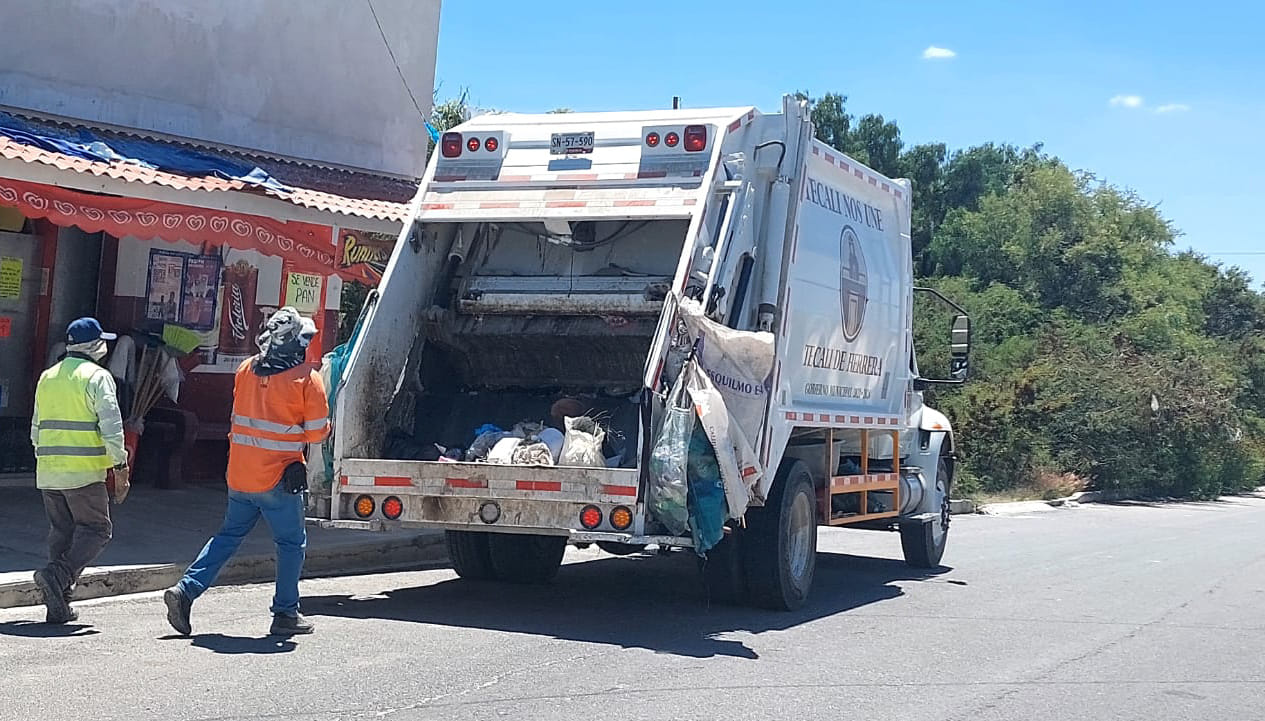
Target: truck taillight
671,139
491,144
450,145
695,138
473,144
591,517
621,518
652,140
392,508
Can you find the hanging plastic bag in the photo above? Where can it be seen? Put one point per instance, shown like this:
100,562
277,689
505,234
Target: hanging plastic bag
668,493
582,445
707,505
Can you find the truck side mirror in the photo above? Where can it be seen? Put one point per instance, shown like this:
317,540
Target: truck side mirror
960,347
959,343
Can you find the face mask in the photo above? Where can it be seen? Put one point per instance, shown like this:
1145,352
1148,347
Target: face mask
96,350
99,351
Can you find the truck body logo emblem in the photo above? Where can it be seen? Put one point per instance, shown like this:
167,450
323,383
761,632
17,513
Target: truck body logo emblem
853,283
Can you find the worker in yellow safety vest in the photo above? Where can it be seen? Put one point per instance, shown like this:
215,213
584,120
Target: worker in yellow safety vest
77,432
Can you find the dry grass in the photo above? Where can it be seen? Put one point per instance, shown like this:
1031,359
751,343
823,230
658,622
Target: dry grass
1052,484
1045,485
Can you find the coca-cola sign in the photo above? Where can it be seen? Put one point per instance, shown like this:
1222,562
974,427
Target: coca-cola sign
237,322
237,313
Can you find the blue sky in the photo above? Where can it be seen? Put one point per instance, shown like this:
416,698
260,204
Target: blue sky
1163,98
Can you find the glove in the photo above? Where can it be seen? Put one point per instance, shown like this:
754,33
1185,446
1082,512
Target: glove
122,483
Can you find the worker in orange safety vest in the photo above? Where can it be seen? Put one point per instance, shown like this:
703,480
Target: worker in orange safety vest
279,407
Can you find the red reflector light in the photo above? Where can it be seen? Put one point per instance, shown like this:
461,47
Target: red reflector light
671,140
695,138
472,144
621,518
591,517
450,145
491,144
392,507
652,140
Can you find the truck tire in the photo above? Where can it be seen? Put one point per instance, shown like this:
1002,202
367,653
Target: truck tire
923,542
526,558
470,556
724,579
779,547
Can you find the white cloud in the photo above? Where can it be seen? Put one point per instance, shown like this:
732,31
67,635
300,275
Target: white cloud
937,53
1127,101
1173,108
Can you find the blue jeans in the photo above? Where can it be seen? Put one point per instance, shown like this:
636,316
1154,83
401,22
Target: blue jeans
284,513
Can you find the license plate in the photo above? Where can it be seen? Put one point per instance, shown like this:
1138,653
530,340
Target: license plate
570,143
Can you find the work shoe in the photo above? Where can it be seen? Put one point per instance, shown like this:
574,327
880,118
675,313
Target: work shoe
59,610
178,608
287,625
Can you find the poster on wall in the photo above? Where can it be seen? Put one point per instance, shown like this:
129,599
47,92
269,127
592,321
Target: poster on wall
365,253
200,292
303,292
182,289
162,292
10,278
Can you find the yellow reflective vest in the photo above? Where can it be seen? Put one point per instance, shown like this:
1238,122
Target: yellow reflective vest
69,423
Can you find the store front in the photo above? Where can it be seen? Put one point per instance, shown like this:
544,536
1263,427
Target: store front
203,279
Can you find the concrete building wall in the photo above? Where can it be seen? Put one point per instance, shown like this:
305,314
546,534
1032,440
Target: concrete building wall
310,79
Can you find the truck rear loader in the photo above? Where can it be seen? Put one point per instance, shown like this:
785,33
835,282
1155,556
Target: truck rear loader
610,260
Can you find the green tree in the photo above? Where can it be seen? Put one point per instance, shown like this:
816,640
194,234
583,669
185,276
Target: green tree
449,114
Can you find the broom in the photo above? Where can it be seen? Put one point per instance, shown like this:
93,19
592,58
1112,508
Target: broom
156,375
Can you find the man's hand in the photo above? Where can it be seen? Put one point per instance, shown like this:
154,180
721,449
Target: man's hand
122,483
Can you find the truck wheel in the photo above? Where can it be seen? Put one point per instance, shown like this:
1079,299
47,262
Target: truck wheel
779,547
923,542
724,579
526,558
470,556
621,549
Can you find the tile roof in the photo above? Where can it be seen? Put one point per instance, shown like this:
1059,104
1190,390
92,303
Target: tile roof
352,193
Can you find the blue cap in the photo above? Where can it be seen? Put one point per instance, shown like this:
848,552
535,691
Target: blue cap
86,330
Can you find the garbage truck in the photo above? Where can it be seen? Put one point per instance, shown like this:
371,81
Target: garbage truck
671,329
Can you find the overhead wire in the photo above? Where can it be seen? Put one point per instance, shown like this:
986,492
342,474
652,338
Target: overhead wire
396,63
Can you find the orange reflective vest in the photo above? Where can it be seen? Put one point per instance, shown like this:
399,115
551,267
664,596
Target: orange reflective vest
274,418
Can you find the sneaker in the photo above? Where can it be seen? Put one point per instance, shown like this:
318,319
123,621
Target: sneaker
178,609
59,610
286,625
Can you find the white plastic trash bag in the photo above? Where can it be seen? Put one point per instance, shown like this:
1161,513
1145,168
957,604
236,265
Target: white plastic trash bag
532,454
582,446
503,451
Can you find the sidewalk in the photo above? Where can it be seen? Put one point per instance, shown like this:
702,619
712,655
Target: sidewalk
158,532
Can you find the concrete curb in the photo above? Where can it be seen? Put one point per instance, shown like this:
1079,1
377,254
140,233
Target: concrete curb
371,557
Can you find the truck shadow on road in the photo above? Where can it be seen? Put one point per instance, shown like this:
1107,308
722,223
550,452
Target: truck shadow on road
654,603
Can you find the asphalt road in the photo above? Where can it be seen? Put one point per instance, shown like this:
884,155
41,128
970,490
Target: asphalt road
1098,612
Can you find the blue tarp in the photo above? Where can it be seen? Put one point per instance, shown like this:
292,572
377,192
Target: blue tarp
107,147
